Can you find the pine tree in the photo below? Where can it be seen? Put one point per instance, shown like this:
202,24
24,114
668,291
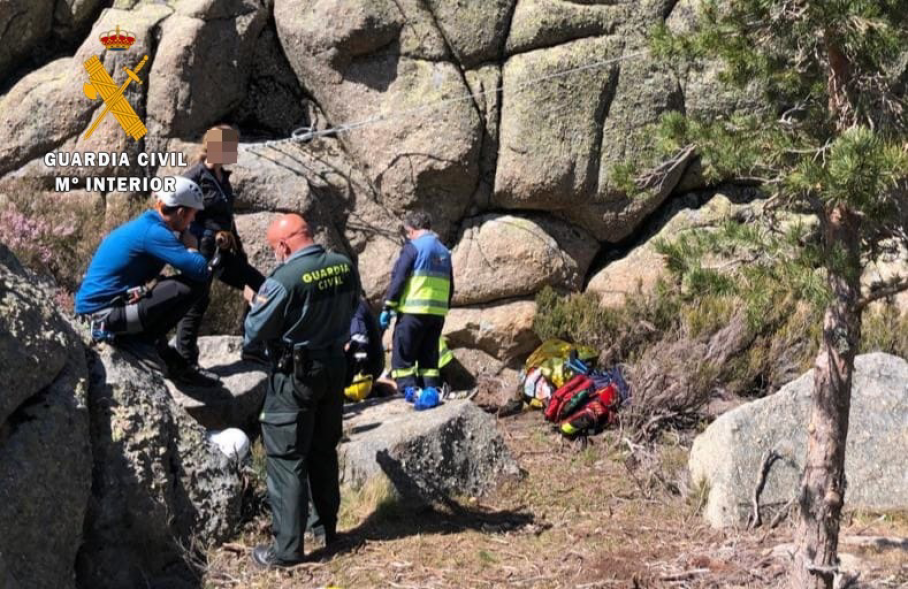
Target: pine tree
832,141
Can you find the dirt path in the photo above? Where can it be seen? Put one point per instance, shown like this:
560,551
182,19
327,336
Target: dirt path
597,517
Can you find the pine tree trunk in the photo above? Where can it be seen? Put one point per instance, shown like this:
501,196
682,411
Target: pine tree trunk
823,485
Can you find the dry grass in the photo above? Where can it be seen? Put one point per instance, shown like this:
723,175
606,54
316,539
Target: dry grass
598,515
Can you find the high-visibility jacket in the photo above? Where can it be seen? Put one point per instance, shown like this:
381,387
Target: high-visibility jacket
423,278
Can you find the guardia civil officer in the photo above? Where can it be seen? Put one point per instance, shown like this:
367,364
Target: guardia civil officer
215,228
302,313
422,285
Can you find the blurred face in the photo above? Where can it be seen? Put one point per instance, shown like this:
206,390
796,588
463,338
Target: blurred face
222,145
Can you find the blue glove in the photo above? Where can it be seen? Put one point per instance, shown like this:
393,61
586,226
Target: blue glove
427,400
384,320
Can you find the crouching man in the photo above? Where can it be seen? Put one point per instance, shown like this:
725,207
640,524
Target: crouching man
116,295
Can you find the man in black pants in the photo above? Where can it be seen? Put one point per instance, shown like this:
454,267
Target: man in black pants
302,312
114,295
421,289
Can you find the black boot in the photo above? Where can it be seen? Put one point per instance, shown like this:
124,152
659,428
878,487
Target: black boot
264,557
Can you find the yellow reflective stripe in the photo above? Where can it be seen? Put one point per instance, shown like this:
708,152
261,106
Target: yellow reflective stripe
399,372
426,288
429,372
445,355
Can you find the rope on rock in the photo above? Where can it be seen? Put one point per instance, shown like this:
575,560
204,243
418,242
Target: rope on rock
304,134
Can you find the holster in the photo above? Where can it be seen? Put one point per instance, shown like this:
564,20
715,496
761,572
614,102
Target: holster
301,363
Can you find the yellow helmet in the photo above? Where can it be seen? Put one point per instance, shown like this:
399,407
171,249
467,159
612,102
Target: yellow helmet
360,388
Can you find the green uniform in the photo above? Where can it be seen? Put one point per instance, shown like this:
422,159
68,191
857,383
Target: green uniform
306,306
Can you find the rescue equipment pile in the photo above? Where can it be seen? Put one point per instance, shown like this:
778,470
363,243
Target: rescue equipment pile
561,379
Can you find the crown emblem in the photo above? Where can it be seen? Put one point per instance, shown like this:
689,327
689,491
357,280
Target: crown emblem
117,40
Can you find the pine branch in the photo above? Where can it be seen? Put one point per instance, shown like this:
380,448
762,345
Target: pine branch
656,177
883,289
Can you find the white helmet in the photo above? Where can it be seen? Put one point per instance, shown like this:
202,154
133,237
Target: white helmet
232,442
186,193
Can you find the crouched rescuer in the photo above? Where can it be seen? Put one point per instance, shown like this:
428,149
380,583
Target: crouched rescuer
116,295
421,289
302,314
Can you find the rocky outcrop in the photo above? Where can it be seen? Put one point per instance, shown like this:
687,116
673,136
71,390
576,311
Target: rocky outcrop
158,487
508,256
237,401
452,450
45,457
23,25
727,456
504,119
643,266
504,331
363,59
184,101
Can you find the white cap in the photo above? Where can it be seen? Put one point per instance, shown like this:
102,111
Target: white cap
186,193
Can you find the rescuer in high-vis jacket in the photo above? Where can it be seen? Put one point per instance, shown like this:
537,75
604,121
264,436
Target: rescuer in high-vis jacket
420,293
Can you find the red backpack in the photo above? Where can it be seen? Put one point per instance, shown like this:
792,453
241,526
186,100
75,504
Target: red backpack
574,394
596,414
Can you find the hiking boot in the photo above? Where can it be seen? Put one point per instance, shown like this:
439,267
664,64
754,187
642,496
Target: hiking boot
195,376
190,355
263,557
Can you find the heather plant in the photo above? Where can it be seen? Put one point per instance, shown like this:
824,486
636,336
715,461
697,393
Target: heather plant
52,234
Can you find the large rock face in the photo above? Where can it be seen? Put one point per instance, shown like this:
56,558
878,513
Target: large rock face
158,484
184,101
728,454
451,450
45,457
364,59
502,118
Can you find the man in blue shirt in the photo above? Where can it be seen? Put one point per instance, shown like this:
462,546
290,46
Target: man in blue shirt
113,295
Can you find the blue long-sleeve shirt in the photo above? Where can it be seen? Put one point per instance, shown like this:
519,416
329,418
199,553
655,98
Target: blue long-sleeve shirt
132,255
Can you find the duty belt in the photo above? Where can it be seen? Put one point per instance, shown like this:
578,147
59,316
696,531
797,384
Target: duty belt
288,358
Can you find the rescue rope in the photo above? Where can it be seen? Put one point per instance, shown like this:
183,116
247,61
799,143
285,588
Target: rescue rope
304,134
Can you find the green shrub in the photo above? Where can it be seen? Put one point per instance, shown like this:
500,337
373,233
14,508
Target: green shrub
885,329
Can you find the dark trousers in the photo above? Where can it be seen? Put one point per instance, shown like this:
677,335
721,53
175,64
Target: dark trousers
301,427
236,273
159,311
416,342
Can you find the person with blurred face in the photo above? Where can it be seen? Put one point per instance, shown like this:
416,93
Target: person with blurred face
215,228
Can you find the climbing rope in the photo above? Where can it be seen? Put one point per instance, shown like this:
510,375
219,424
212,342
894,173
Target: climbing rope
305,134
